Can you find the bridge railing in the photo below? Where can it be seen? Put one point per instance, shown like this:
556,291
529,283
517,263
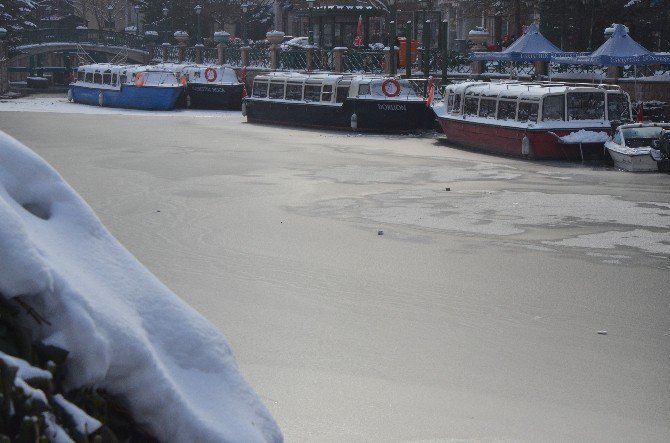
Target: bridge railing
92,36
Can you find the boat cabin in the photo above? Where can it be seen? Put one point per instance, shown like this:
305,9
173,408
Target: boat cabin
331,89
108,76
203,74
536,103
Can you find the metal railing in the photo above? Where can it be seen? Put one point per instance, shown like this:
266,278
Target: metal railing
259,58
364,61
92,36
293,60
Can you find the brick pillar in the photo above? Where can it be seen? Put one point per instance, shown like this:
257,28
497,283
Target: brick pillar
614,72
220,53
166,48
182,52
198,52
274,57
540,69
477,67
151,47
244,55
310,59
338,59
387,60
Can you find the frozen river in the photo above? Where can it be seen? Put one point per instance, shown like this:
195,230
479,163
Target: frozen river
504,300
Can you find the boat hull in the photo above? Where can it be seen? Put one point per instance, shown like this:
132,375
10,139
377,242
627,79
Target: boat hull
160,98
214,96
543,144
634,163
372,115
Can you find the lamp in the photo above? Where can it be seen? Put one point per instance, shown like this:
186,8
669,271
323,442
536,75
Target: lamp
137,19
110,8
245,8
310,32
198,11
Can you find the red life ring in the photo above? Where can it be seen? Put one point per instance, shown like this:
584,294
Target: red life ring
395,83
139,79
210,74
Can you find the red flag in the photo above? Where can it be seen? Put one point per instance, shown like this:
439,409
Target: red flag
358,41
640,113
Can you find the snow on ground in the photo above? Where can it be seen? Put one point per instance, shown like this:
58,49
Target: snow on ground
125,331
63,106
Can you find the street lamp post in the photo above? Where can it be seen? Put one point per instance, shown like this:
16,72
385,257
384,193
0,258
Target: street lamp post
110,8
245,8
310,31
198,11
165,26
137,19
392,37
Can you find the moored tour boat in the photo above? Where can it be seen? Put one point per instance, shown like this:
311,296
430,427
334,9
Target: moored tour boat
640,147
126,86
209,86
360,102
532,119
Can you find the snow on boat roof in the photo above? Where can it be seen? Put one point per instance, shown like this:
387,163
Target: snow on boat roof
528,90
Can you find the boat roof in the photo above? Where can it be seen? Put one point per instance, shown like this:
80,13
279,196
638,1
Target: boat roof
644,125
122,68
525,90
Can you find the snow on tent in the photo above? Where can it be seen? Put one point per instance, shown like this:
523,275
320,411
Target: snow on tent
619,50
125,332
531,47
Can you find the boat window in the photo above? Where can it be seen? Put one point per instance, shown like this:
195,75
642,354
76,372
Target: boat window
123,78
528,112
327,93
506,110
80,76
450,103
260,89
276,90
89,77
294,91
312,93
487,108
115,78
107,78
471,105
553,108
457,103
97,78
617,107
617,137
364,89
342,93
586,106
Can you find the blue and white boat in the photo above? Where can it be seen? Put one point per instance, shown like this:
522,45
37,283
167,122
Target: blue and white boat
126,86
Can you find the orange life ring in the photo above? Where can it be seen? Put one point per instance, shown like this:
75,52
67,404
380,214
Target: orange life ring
210,74
395,83
184,82
139,79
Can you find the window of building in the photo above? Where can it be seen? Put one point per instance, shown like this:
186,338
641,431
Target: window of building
553,108
294,91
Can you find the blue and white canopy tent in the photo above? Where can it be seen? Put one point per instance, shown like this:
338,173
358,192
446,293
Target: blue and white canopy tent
530,47
619,50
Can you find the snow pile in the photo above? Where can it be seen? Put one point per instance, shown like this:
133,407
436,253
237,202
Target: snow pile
125,331
584,136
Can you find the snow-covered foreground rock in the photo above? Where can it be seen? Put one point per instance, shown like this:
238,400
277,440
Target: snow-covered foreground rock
126,332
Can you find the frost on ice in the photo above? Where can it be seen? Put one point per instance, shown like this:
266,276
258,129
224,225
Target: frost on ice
124,330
